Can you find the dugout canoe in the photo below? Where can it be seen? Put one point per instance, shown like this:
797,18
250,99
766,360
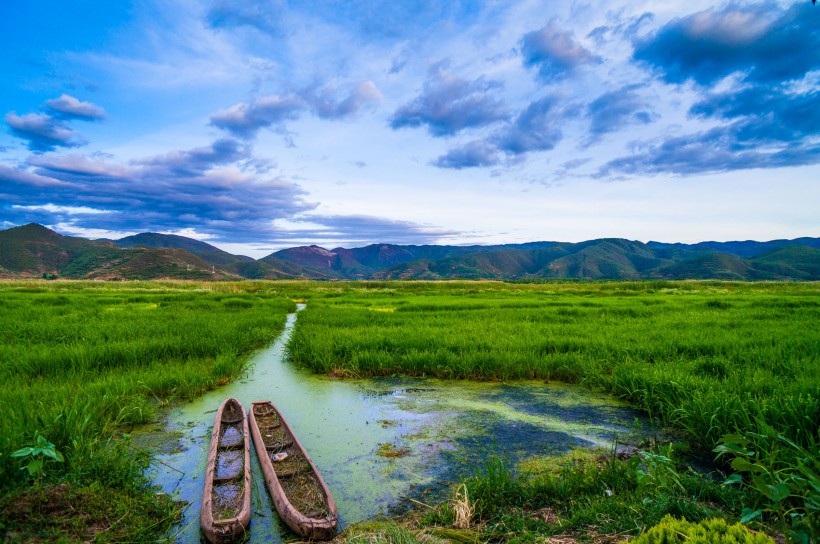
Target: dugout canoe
299,493
226,497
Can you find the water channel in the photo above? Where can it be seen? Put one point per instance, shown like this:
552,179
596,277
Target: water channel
433,432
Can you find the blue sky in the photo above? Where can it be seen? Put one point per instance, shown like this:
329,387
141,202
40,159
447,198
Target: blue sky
259,125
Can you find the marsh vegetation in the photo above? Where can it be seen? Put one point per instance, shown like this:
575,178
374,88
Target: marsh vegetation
81,364
728,366
733,367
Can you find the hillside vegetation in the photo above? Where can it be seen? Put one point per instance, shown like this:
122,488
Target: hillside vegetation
35,251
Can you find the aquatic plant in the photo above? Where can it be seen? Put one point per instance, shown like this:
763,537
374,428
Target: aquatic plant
462,508
580,493
656,474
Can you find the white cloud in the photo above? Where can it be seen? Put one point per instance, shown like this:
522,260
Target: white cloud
62,210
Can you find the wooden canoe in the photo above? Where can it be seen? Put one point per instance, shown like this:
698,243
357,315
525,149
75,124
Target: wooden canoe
299,493
226,498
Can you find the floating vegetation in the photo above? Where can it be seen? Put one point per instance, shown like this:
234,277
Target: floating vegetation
389,450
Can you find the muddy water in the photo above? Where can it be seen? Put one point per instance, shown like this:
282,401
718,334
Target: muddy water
383,443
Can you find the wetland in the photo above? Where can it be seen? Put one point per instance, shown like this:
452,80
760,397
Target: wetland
352,428
544,403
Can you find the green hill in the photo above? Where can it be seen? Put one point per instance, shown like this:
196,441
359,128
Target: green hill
745,249
33,251
715,266
206,252
604,259
143,263
793,262
608,258
158,263
389,260
613,258
268,269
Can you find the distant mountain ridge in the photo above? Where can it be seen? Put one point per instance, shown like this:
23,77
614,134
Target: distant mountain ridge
746,249
36,251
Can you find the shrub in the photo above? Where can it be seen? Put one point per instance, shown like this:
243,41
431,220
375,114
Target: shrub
709,531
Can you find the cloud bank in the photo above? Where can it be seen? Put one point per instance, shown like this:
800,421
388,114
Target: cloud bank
50,130
246,119
767,117
449,104
554,52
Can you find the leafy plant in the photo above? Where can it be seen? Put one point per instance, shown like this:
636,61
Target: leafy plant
37,455
656,474
783,477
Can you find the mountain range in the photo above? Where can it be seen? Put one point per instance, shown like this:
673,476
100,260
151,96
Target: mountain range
35,251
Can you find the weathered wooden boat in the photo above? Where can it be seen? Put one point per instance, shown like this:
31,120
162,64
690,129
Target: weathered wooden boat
299,493
226,498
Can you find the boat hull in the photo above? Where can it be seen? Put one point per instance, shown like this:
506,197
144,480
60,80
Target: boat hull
295,468
226,496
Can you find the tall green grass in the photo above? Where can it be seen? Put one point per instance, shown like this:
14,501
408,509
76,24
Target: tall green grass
583,492
80,362
709,357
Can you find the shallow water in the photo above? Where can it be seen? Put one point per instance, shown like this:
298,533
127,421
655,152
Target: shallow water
381,444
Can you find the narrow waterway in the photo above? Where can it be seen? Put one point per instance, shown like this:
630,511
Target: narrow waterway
432,430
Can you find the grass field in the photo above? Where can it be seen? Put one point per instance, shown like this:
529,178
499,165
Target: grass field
82,362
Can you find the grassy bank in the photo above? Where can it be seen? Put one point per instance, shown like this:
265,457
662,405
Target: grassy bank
80,363
586,496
